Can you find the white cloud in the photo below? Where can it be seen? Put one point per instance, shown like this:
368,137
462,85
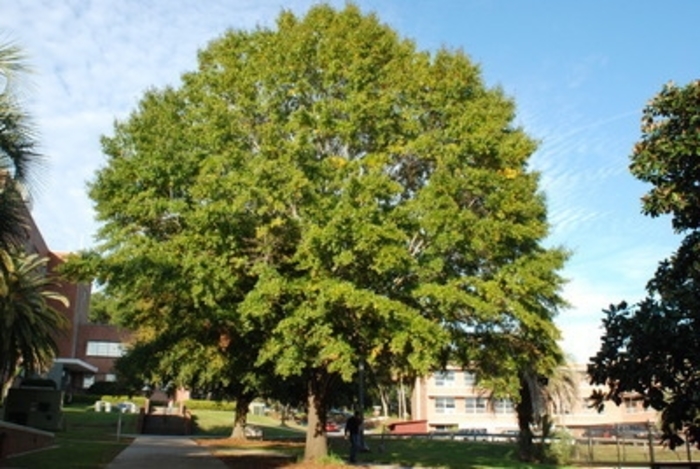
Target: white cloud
93,61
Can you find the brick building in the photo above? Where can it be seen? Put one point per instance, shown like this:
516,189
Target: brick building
86,351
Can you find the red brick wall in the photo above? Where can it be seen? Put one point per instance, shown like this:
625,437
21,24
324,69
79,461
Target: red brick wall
411,426
78,296
16,439
72,341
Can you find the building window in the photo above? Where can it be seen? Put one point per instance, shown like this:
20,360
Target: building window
475,405
469,379
631,406
104,349
445,405
503,406
88,380
110,377
445,378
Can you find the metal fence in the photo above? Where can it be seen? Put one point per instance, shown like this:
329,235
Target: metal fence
618,451
647,451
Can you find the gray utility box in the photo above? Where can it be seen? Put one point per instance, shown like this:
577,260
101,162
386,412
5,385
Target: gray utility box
35,407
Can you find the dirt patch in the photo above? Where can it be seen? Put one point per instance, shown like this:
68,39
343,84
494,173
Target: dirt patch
242,454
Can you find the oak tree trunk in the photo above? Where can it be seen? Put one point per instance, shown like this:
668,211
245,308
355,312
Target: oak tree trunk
240,418
525,410
316,440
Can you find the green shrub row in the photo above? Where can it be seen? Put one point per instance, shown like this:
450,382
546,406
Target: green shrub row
192,404
199,404
82,399
90,399
138,400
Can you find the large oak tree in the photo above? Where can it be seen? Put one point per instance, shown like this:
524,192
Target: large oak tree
334,196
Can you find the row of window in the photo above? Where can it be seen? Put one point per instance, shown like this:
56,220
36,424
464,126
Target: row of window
482,405
104,349
448,378
477,405
473,405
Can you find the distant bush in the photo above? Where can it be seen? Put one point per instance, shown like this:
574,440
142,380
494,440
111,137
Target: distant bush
82,399
199,404
560,450
108,388
138,400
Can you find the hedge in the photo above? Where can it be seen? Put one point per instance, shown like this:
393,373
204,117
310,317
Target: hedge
200,404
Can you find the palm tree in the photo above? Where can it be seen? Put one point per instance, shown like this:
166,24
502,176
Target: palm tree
19,159
28,320
539,396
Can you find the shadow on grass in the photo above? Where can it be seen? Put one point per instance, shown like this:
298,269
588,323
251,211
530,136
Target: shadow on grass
421,452
270,432
254,454
407,452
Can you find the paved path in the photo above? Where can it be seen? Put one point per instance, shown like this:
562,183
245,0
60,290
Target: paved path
167,452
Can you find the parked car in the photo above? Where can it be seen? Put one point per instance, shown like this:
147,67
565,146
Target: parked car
631,431
472,434
598,432
332,427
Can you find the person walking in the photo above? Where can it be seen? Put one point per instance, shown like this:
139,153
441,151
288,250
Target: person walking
352,430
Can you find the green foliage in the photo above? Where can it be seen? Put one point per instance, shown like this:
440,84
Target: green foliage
560,448
651,347
20,163
319,195
666,155
200,404
111,388
118,399
29,318
83,399
103,309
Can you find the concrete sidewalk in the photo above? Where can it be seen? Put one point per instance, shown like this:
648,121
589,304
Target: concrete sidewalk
171,452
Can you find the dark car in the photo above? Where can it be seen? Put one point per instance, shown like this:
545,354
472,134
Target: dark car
472,434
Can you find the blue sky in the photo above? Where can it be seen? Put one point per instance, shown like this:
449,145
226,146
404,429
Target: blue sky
579,72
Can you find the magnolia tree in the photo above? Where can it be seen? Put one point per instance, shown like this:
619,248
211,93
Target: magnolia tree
651,348
326,195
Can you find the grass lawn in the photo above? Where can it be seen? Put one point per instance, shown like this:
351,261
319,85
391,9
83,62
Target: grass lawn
218,423
410,452
89,441
407,452
416,452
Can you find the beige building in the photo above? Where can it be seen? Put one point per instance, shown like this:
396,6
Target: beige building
451,400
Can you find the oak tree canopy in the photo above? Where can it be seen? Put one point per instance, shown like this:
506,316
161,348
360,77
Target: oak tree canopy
325,194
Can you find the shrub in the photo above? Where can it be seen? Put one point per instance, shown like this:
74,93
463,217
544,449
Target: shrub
199,404
560,449
138,400
82,399
109,388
